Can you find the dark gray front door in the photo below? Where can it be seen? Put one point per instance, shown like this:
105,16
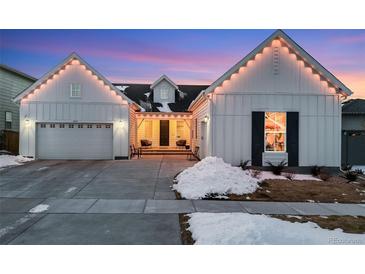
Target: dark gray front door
164,133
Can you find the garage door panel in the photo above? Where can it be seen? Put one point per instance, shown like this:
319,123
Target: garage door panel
74,141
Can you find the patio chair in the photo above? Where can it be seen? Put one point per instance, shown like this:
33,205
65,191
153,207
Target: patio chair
134,151
193,154
146,143
181,143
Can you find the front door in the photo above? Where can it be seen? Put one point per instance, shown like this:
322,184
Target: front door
164,132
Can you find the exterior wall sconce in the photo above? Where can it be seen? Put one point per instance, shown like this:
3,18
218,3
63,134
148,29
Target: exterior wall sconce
206,119
121,123
27,121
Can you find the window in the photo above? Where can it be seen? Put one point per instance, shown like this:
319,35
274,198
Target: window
275,131
148,129
89,126
62,125
164,93
70,126
75,90
43,125
98,126
52,125
179,129
80,126
8,119
107,126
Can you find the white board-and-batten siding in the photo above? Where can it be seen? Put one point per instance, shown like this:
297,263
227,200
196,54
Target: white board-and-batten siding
282,87
53,104
198,115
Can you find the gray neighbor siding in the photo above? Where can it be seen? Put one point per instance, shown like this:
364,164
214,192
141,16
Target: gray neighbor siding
11,83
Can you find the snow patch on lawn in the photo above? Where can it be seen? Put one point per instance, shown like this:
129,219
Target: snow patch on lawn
243,228
39,208
11,160
359,167
213,176
267,175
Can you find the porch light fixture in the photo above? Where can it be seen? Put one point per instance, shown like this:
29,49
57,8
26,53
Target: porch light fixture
205,119
27,121
121,123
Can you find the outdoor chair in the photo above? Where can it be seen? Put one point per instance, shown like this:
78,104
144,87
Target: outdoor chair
181,143
193,154
146,143
134,151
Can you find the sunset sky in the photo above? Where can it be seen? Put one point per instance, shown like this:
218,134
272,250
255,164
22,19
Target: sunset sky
186,56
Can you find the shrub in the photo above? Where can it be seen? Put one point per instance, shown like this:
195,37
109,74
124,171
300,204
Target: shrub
316,170
346,167
244,164
359,171
277,169
289,175
351,176
255,173
324,175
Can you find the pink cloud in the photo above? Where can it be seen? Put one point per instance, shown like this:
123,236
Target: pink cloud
352,39
354,81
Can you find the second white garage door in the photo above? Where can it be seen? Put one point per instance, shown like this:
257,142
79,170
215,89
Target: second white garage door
74,141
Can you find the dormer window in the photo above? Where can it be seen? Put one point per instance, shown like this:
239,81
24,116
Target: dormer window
164,94
75,90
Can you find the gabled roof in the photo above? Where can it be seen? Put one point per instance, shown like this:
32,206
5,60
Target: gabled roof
143,95
354,106
164,77
292,45
15,71
68,60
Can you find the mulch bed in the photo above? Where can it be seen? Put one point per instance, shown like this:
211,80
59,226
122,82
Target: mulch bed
335,189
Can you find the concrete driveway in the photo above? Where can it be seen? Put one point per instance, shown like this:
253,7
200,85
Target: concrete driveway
73,187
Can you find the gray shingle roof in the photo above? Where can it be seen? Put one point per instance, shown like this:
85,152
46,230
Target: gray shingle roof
354,106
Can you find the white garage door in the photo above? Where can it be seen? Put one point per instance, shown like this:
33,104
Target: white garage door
74,141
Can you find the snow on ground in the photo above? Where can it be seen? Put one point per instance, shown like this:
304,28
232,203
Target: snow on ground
39,208
213,176
165,107
359,167
11,160
265,175
243,228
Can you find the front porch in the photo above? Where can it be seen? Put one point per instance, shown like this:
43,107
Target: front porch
164,133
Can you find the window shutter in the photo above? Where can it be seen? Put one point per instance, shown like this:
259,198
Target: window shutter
258,124
292,138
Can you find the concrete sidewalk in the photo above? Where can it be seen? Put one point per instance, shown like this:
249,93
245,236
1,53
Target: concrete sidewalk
89,206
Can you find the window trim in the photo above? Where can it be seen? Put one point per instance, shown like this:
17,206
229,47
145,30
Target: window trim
285,133
71,89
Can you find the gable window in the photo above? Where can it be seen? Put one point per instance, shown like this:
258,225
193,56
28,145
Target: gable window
275,131
164,94
8,119
75,90
148,129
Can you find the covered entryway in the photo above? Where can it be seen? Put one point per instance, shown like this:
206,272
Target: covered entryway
74,141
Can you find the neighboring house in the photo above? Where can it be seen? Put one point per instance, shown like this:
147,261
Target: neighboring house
353,132
277,103
12,82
